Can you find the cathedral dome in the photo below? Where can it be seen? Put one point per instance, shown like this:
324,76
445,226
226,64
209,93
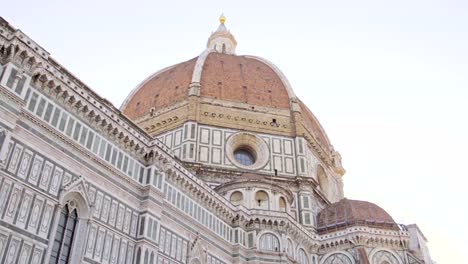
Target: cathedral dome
220,88
346,213
242,79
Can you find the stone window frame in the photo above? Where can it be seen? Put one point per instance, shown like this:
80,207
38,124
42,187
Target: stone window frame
301,256
251,142
78,202
266,241
5,75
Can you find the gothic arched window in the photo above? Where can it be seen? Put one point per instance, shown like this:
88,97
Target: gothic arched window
384,257
138,256
62,247
269,242
338,258
302,257
290,248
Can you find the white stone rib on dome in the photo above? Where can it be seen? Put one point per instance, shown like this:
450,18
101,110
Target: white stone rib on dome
278,72
197,70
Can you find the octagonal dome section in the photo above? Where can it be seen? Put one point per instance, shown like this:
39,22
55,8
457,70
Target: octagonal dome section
249,81
162,89
242,79
346,213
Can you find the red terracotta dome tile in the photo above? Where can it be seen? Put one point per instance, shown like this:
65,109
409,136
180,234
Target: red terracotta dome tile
161,90
346,213
242,79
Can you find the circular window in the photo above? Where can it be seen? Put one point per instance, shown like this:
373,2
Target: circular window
244,157
247,151
236,198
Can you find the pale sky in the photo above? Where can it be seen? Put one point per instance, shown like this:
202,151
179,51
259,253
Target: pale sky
388,81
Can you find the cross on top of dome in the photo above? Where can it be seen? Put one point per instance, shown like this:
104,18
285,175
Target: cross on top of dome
222,41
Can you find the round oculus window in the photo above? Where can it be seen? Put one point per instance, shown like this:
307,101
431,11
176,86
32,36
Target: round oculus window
244,157
247,151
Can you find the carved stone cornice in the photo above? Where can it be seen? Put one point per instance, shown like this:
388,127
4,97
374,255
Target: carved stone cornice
51,78
365,236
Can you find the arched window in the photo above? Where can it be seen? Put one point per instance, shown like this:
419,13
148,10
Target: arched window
338,258
261,199
224,48
138,255
302,257
146,257
236,198
63,240
2,137
269,242
323,180
282,204
384,257
290,248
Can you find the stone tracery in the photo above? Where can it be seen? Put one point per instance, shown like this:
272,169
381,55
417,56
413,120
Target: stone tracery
384,257
337,258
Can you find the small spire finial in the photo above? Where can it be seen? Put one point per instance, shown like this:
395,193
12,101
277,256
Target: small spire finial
222,18
221,40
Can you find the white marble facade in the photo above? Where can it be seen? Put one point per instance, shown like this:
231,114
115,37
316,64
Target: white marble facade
207,145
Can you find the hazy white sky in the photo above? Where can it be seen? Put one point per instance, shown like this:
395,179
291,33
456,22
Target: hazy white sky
387,79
